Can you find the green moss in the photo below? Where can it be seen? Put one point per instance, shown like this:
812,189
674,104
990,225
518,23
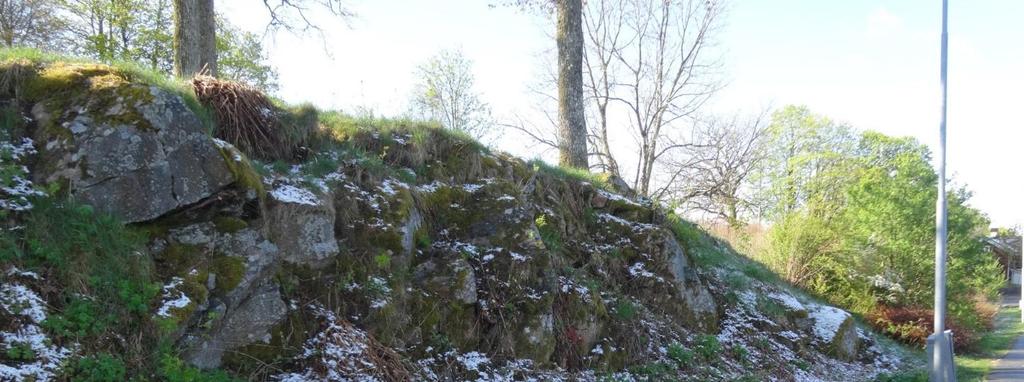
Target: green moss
229,224
71,71
229,271
243,171
421,238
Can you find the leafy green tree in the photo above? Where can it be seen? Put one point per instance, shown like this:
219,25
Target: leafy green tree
446,94
800,145
29,23
142,31
241,57
856,222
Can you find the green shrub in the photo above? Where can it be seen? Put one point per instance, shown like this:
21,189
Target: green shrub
101,367
173,369
707,346
625,310
19,351
80,317
549,234
682,356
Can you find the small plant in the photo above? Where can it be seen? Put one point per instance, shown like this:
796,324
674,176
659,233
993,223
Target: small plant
80,317
20,351
320,166
549,234
280,166
758,272
422,238
654,371
681,355
707,346
383,260
173,369
737,281
740,353
801,364
590,217
99,368
762,343
625,310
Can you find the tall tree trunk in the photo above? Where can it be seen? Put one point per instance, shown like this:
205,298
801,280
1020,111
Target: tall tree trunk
195,38
572,125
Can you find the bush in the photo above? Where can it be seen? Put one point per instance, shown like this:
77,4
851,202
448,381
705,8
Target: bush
707,346
102,367
914,325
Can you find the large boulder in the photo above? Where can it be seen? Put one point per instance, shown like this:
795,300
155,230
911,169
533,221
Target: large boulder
835,331
250,323
700,304
302,225
131,150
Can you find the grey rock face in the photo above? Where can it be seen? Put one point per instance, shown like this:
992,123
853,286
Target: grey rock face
249,323
835,331
136,170
302,225
455,279
699,301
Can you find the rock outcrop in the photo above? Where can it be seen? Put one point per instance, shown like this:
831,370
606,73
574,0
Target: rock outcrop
132,150
412,254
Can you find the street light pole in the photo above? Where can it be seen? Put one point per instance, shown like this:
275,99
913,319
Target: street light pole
940,343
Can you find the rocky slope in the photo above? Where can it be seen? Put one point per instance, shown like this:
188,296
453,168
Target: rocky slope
397,251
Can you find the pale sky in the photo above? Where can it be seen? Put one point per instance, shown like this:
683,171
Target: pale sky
872,64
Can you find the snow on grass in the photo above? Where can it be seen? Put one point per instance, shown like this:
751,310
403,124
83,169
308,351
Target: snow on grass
473,360
639,270
432,187
617,197
21,306
15,272
291,194
568,285
389,186
472,188
635,226
223,145
787,300
172,298
14,195
339,352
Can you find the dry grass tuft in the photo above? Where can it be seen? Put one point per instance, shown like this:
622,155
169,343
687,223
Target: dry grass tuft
248,119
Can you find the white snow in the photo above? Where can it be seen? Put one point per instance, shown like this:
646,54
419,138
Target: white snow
14,271
291,194
638,270
827,321
473,360
389,186
15,197
341,350
472,188
432,187
23,306
173,298
787,300
517,257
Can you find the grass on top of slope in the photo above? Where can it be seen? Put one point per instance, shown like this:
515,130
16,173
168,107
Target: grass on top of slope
130,70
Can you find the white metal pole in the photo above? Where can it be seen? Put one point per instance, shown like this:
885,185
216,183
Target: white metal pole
940,204
940,344
1020,304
